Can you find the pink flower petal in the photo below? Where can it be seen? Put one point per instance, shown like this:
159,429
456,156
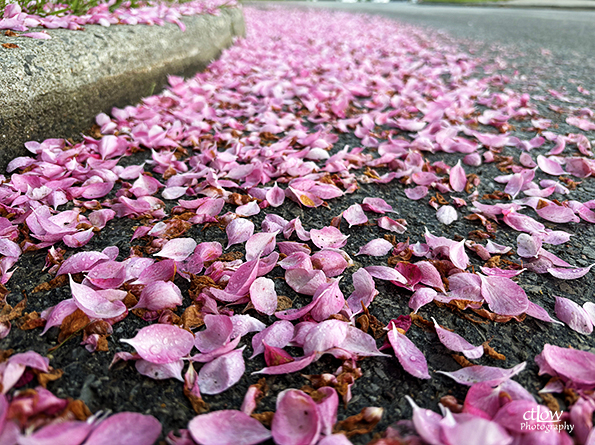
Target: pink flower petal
386,273
161,271
297,420
446,215
475,374
305,281
70,432
278,335
264,296
107,275
275,196
573,315
227,427
160,371
161,343
416,193
93,304
457,178
249,209
392,225
410,357
81,262
217,333
287,368
355,215
569,274
557,214
177,249
421,297
430,275
260,244
126,428
159,295
550,166
528,246
376,247
503,295
222,373
458,256
570,364
364,290
239,231
376,205
328,237
455,342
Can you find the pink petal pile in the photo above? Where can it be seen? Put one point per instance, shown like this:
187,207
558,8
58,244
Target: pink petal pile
259,131
150,13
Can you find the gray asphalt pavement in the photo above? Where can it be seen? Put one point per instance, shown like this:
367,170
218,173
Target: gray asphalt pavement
567,32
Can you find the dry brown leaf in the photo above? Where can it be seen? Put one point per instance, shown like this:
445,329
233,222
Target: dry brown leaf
10,313
9,33
192,318
44,377
5,353
461,360
452,404
356,425
265,418
10,45
491,352
30,321
421,322
283,303
79,410
550,401
72,323
198,404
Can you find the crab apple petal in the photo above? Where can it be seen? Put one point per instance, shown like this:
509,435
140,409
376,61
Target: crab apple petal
489,374
222,373
503,295
239,231
573,315
296,420
126,427
93,304
161,343
159,295
410,357
328,237
177,249
569,273
263,295
455,342
160,371
278,335
227,427
376,247
457,178
354,215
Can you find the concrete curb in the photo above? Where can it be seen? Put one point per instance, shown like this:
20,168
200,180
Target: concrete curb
54,88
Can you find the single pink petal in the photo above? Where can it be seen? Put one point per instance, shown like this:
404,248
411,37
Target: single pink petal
126,427
495,248
107,275
416,193
217,333
177,249
536,311
455,342
358,344
241,280
325,335
528,246
446,215
174,192
410,357
260,244
9,248
239,231
421,297
93,304
364,290
160,371
477,373
161,343
70,432
550,166
332,262
570,364
458,256
327,409
515,185
457,178
227,427
161,271
557,214
430,275
37,35
329,300
222,373
249,209
263,295
81,262
355,215
297,420
386,273
243,324
328,237
491,433
376,205
392,225
97,190
376,247
100,218
590,309
274,356
426,423
305,281
573,315
159,295
278,335
569,274
503,295
58,313
287,368
275,196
